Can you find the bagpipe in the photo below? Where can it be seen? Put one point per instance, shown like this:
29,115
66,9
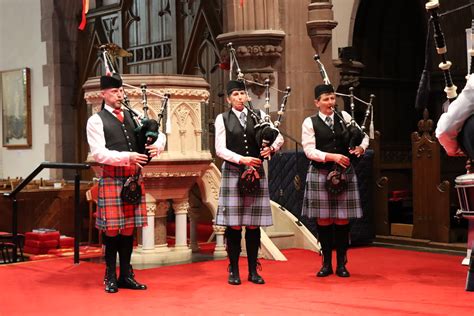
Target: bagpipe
464,137
146,129
445,65
266,131
464,183
352,134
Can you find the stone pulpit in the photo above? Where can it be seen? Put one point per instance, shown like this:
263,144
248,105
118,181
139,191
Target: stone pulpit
169,177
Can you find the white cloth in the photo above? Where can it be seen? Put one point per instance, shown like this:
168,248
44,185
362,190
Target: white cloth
96,140
308,139
220,141
451,122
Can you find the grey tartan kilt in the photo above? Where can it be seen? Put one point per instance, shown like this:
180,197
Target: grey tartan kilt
235,209
318,203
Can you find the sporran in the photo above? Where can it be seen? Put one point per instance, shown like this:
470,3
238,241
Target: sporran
249,181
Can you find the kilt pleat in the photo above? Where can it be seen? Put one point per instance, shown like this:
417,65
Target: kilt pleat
112,212
235,209
318,203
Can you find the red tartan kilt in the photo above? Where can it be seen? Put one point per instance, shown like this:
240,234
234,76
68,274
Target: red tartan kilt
112,212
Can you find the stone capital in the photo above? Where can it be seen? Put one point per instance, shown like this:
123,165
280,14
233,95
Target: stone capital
180,206
257,52
218,229
350,71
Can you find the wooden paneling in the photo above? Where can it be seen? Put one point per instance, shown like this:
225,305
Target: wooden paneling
50,208
430,196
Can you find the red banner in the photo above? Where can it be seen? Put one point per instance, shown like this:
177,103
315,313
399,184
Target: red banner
85,9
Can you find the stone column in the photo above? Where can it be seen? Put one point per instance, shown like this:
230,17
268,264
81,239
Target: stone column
148,232
193,218
254,30
59,33
161,212
219,251
181,207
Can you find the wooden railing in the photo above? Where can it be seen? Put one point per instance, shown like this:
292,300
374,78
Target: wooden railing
77,214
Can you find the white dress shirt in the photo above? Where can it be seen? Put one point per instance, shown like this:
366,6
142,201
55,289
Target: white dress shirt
451,122
96,140
220,141
308,138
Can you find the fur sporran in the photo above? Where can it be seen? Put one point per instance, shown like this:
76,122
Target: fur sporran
249,181
132,191
336,182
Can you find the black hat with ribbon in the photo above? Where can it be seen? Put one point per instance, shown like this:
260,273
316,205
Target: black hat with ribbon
321,89
109,82
235,85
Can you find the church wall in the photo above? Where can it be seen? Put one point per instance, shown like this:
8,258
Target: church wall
21,46
344,13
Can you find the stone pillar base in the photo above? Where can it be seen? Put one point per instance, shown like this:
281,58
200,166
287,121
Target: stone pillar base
161,255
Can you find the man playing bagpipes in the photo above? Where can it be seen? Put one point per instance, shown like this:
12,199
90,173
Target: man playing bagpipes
331,193
455,128
113,142
243,197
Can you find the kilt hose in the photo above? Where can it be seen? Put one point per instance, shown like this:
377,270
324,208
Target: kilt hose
235,209
318,203
112,212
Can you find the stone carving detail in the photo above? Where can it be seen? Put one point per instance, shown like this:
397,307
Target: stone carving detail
150,208
213,185
259,51
182,113
166,174
350,71
180,207
202,95
218,229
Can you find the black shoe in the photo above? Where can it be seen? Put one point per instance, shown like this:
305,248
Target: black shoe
111,285
129,282
256,278
342,272
234,277
325,271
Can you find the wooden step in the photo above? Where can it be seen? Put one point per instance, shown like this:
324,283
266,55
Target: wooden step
280,234
283,240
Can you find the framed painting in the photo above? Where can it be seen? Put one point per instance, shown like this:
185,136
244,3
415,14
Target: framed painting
15,101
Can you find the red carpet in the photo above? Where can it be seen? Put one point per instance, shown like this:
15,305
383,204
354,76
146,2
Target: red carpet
384,282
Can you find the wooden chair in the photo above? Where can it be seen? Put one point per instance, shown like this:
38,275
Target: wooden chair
92,196
7,246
